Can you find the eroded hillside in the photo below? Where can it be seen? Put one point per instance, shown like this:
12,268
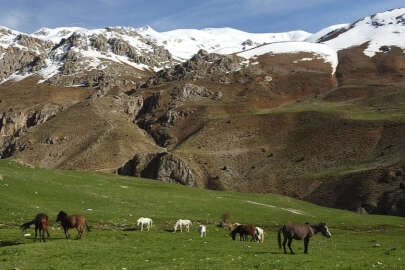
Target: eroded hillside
308,120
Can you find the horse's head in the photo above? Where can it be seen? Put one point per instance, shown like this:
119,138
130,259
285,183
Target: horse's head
324,230
61,216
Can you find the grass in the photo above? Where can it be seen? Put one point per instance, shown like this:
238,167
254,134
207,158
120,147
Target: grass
112,205
345,110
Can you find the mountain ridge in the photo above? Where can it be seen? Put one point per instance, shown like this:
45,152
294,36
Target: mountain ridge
304,119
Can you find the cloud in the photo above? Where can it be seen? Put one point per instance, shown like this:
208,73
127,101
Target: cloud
256,7
14,19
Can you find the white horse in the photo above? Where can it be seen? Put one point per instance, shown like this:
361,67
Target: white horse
145,221
260,234
181,223
202,230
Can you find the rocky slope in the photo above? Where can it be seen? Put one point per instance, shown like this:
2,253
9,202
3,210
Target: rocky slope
318,117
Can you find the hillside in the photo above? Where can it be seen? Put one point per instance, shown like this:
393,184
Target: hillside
112,204
316,117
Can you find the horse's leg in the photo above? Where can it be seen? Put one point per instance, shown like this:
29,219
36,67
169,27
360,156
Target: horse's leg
289,245
66,232
36,232
306,242
141,227
79,231
284,242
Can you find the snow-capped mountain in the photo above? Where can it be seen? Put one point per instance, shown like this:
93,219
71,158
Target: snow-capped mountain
327,32
381,29
73,56
63,55
184,43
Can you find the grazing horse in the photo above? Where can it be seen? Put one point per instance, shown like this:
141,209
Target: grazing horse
259,235
41,223
181,223
147,221
202,230
244,231
301,232
74,221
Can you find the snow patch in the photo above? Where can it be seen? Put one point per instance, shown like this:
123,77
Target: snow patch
328,54
381,29
184,43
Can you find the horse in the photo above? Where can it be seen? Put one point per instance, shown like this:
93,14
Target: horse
75,221
41,222
227,225
202,230
147,221
301,232
181,223
259,235
244,231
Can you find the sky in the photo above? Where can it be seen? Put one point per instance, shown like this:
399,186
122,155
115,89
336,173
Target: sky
256,16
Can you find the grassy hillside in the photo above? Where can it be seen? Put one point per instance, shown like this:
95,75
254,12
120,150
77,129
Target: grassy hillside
112,205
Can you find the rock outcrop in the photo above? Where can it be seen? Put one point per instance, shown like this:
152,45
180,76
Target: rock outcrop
200,66
166,167
13,124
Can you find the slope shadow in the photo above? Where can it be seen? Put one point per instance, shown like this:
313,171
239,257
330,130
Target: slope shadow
9,243
130,229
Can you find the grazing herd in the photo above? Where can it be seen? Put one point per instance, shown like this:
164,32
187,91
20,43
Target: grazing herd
290,231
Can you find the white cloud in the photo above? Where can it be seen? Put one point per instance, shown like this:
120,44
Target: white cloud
255,7
14,19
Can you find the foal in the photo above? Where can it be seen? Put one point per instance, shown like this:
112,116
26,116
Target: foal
41,223
244,231
301,232
74,221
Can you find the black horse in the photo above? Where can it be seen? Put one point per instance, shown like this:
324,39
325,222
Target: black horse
301,232
41,222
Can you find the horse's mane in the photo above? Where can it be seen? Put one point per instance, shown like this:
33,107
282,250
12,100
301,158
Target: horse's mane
62,213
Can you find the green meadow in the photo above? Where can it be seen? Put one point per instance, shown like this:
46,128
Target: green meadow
112,204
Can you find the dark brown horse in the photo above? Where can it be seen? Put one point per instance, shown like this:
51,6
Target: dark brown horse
301,232
244,231
74,221
41,223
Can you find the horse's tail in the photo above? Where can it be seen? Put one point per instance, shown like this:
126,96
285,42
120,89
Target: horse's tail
27,225
279,236
87,226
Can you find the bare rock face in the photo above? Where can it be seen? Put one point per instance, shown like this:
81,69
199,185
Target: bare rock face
198,67
13,124
190,91
13,60
166,167
175,170
26,55
131,105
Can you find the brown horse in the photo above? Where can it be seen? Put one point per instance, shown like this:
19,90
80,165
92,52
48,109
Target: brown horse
41,223
74,221
244,231
301,232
